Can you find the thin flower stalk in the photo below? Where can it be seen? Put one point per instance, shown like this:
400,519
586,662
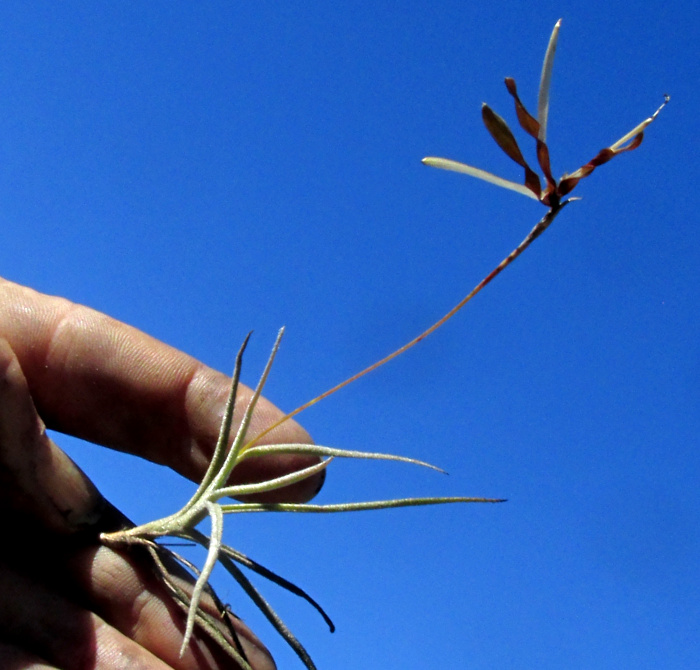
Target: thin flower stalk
231,451
551,195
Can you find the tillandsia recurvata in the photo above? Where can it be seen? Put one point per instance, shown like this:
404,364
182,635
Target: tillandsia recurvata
207,501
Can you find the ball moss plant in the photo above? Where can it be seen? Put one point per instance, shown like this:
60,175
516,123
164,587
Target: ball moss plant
211,499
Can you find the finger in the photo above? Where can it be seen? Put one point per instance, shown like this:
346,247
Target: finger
103,381
62,633
123,589
126,592
39,484
13,658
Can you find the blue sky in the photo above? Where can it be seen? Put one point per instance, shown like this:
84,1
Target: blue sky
201,169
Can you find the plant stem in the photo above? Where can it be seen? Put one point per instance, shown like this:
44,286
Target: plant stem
541,226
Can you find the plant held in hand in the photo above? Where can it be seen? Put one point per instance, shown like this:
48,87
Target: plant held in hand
229,453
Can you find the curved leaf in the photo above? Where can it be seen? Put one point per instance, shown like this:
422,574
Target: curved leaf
527,122
217,527
331,452
545,82
500,132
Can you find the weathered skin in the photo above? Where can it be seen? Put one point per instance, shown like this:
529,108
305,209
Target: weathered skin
66,601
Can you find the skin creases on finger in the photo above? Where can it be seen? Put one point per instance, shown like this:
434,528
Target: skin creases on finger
103,381
123,588
61,633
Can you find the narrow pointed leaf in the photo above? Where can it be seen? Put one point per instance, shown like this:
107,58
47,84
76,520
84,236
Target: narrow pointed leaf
277,579
463,168
545,82
224,432
532,182
318,450
249,563
352,507
500,132
182,600
238,442
527,122
631,146
602,157
636,132
267,610
543,160
628,142
217,527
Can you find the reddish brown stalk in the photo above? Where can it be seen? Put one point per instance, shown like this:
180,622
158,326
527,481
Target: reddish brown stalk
541,226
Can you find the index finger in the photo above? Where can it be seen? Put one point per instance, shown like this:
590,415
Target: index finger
106,382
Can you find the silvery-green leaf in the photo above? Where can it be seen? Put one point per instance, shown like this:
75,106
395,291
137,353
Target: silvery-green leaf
463,168
545,81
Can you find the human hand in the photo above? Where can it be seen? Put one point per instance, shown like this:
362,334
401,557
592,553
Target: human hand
65,601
